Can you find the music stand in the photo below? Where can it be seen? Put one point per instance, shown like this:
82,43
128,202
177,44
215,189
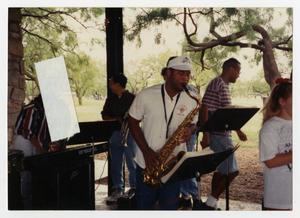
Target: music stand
228,118
192,166
96,131
93,132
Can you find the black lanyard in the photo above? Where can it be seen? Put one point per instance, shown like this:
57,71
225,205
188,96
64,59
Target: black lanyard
171,116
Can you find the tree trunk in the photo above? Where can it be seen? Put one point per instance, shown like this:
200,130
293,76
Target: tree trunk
79,100
269,64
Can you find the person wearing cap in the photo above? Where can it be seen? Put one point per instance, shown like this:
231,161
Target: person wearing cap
189,193
160,108
216,96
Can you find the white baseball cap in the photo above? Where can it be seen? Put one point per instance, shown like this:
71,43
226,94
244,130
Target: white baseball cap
180,63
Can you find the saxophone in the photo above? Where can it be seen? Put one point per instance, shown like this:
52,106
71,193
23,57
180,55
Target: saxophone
152,176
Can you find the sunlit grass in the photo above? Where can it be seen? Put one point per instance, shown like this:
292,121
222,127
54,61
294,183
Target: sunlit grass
90,110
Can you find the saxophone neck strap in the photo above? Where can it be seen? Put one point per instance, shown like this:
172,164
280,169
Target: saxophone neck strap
165,110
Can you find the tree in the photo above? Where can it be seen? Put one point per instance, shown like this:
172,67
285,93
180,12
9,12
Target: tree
47,33
229,29
83,74
200,77
148,71
259,86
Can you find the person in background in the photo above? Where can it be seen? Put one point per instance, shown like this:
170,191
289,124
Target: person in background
216,96
275,147
115,108
32,137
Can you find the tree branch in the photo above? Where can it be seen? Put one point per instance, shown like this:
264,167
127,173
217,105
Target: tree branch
277,45
202,60
178,21
38,36
194,24
47,16
284,42
213,25
64,13
196,12
262,32
187,36
243,45
212,43
29,76
284,48
71,50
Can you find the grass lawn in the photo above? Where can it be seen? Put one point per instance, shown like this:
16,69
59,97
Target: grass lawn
91,109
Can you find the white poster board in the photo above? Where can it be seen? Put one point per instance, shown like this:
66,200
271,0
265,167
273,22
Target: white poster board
57,98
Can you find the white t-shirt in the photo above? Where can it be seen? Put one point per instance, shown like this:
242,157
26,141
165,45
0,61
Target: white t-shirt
148,107
276,137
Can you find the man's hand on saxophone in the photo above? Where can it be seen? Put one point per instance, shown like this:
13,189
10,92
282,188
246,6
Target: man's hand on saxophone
151,157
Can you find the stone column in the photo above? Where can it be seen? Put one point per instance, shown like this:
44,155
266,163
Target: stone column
16,79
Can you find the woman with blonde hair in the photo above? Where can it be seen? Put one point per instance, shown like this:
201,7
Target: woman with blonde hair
275,147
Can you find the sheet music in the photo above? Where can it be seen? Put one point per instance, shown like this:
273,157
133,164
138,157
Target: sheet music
57,98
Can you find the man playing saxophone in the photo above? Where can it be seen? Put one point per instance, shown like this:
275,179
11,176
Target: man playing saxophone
162,109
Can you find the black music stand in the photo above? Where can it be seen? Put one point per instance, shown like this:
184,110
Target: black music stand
193,166
93,132
228,118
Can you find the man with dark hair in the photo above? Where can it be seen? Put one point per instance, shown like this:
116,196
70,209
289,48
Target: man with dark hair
217,96
231,62
119,79
121,142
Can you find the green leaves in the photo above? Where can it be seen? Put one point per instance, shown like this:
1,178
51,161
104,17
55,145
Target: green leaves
259,86
148,71
231,11
47,33
147,18
84,74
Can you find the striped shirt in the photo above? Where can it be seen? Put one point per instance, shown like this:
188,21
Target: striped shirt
32,122
216,96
